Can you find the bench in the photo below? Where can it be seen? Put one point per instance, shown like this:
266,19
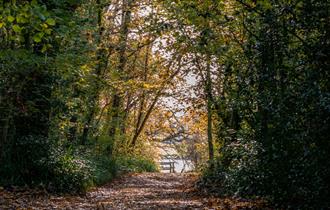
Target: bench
167,166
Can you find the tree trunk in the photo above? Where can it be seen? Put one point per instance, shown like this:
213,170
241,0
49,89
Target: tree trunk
208,90
117,99
100,65
143,96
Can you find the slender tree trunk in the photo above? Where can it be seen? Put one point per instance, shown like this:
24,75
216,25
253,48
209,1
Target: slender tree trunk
153,104
100,65
73,129
266,73
145,119
142,102
117,99
208,90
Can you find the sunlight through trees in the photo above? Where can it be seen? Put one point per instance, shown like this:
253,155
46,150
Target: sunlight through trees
92,89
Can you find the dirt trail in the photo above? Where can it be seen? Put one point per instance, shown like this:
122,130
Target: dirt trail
136,191
149,191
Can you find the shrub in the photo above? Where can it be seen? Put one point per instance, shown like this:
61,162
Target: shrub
135,164
36,160
69,171
235,172
105,169
286,178
21,163
39,161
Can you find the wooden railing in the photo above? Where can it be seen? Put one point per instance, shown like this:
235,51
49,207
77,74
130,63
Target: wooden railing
168,166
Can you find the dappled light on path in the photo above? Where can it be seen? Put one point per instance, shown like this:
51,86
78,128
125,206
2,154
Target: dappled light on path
150,191
135,191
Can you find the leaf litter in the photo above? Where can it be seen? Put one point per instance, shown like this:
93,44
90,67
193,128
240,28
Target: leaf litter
149,191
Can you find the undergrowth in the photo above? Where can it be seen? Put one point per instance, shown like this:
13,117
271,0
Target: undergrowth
36,161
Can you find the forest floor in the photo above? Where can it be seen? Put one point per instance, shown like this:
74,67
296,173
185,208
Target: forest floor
135,191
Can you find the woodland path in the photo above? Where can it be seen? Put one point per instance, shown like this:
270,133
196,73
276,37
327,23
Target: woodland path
135,191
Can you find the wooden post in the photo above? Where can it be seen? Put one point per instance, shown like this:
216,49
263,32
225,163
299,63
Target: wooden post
168,166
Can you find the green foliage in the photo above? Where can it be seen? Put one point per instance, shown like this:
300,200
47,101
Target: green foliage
236,171
269,69
31,23
25,89
49,53
274,80
21,162
68,171
123,160
136,164
105,170
36,160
